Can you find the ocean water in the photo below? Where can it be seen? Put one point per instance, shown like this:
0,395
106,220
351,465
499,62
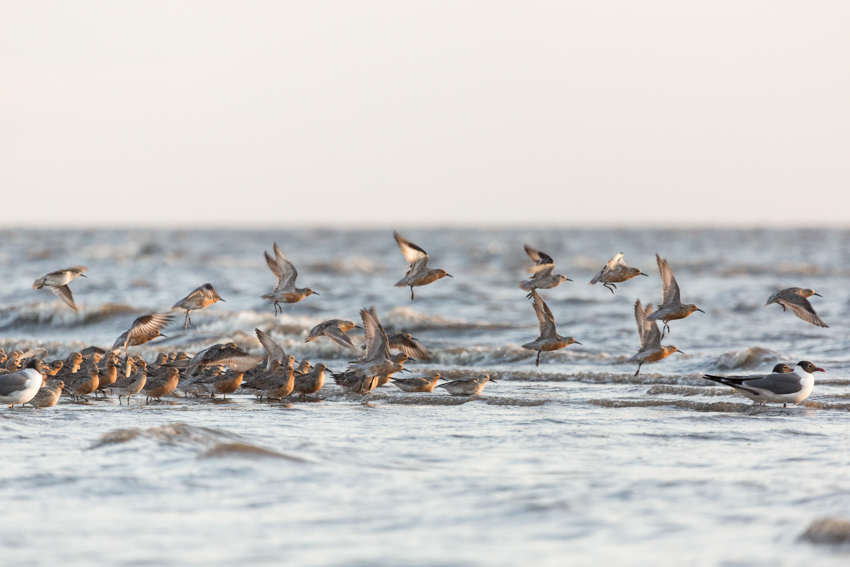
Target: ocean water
572,462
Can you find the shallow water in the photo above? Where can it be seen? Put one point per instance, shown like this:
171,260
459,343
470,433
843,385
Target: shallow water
575,461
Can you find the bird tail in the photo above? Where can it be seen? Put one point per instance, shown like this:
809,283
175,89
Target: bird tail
38,284
402,282
527,285
267,296
718,379
596,278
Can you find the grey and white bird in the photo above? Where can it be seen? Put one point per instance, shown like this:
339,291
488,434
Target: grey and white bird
778,388
335,330
467,386
671,307
364,374
21,386
614,272
543,277
418,272
58,283
200,298
143,330
285,291
549,339
651,349
795,298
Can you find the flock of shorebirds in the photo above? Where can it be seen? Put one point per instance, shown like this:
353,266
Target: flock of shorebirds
27,378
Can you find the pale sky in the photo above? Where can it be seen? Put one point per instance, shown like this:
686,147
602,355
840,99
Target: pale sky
405,113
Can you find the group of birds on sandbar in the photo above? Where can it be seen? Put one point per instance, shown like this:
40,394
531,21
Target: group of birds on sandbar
24,376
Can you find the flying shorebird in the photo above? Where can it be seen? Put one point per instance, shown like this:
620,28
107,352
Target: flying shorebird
409,345
418,273
650,339
549,338
285,291
779,388
467,386
143,330
671,307
21,386
614,272
230,355
543,277
335,330
795,298
202,297
58,283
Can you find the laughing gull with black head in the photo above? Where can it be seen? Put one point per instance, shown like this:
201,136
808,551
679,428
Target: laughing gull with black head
778,388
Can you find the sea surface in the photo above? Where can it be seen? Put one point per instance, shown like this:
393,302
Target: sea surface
574,462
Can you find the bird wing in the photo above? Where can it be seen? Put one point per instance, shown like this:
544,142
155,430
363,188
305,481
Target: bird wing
288,273
208,292
544,315
648,331
120,341
274,350
63,292
377,343
542,271
338,336
669,287
412,253
802,309
540,258
149,324
270,262
789,383
409,346
617,260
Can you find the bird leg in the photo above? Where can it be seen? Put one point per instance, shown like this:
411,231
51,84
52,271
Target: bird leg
538,359
411,293
186,321
610,286
638,370
530,294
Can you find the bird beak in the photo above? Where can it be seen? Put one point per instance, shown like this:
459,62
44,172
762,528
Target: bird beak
85,276
358,327
578,343
700,310
316,293
450,276
492,380
819,295
220,299
819,370
680,352
569,280
642,274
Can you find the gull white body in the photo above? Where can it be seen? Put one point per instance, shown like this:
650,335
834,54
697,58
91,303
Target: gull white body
19,387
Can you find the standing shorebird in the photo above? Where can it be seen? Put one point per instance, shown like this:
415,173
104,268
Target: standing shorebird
335,330
650,339
285,291
21,386
58,283
543,277
614,272
778,388
311,382
418,273
418,383
143,330
549,338
467,386
671,307
795,298
48,395
202,297
163,385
